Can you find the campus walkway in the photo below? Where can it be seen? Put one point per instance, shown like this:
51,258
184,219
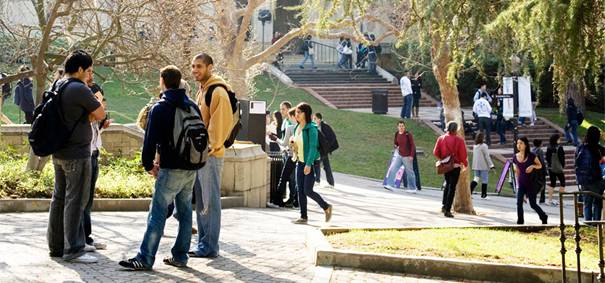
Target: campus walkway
257,245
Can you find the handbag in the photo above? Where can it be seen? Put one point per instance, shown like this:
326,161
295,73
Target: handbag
445,165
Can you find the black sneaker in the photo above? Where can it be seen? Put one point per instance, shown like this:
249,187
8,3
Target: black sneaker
134,264
448,214
174,262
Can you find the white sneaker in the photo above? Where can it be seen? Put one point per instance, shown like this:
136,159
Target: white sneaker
390,188
85,258
411,191
88,248
270,205
99,246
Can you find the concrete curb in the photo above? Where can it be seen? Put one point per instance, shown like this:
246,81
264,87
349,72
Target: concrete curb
326,255
142,204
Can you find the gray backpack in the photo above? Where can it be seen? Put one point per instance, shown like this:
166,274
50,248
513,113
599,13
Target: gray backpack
555,165
190,137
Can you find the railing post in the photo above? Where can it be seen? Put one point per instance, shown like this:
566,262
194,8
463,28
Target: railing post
601,261
562,239
577,237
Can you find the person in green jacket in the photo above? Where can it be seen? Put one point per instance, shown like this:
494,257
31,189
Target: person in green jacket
305,143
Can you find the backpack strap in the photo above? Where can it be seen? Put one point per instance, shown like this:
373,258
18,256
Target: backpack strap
210,91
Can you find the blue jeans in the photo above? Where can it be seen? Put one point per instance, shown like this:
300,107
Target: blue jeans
593,206
408,165
208,207
305,189
329,177
171,184
406,109
65,232
94,162
372,59
307,57
571,132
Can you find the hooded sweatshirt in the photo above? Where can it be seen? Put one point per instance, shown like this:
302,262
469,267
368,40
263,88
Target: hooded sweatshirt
218,117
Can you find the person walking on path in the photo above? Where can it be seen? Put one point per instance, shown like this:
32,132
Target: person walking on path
450,146
525,164
328,132
483,109
482,163
24,97
416,93
287,173
306,149
571,128
555,159
406,92
309,53
218,118
404,155
589,155
174,176
540,154
71,162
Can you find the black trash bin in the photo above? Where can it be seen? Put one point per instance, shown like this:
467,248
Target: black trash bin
380,101
277,163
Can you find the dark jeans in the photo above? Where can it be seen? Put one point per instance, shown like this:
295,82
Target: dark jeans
287,175
451,179
305,184
29,117
65,232
372,59
94,164
485,124
531,196
329,177
593,206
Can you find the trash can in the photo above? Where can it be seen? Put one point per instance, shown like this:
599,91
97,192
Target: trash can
277,163
380,101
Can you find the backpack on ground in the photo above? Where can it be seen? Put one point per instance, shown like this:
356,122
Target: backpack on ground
235,108
189,136
49,131
144,113
585,169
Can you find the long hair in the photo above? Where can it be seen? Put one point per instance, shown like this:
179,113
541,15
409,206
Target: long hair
527,148
479,138
278,119
306,109
554,140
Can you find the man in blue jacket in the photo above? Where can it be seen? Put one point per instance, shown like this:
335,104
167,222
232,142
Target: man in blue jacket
24,97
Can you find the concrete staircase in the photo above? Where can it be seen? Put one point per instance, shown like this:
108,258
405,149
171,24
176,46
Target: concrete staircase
349,88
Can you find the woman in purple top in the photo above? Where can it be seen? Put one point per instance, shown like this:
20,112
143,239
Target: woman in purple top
525,164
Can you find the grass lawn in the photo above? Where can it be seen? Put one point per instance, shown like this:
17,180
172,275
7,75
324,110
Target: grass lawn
490,245
590,119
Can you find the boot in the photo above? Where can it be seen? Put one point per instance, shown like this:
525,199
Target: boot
483,190
473,185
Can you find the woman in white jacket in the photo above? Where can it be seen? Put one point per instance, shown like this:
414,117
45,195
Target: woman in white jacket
482,163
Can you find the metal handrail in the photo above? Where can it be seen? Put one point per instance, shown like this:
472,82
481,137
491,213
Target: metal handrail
324,53
577,235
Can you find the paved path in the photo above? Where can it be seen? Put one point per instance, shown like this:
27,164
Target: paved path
258,245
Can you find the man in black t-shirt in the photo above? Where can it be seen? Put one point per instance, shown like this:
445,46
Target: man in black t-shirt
65,233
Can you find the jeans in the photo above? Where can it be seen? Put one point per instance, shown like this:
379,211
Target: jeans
307,57
531,196
65,232
94,164
408,164
485,124
287,175
329,177
571,132
171,184
451,180
372,59
593,206
208,207
406,109
305,189
501,128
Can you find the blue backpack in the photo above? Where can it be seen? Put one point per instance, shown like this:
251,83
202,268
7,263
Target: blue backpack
585,168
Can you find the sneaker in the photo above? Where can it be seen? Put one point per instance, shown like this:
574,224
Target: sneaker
411,191
389,188
99,246
89,248
484,197
174,262
329,186
133,264
448,214
270,205
554,203
300,221
328,212
85,258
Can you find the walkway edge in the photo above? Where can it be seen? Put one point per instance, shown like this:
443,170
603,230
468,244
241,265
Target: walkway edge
101,204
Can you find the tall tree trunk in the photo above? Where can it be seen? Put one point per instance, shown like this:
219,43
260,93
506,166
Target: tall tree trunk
441,60
574,90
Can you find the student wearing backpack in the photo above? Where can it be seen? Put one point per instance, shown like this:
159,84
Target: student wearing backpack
307,49
305,142
332,142
71,160
555,158
405,147
588,172
175,175
215,102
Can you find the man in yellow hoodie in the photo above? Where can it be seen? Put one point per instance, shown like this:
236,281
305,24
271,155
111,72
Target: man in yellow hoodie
218,118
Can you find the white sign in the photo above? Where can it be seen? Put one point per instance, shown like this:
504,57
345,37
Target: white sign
508,108
258,107
507,85
525,107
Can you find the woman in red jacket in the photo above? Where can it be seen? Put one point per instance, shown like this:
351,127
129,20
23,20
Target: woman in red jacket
451,145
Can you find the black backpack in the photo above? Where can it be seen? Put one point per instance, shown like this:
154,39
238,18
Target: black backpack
235,108
323,144
49,132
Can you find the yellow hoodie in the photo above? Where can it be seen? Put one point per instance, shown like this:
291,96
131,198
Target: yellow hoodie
218,118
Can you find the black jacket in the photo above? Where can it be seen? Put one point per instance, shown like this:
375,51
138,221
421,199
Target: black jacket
330,136
560,154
